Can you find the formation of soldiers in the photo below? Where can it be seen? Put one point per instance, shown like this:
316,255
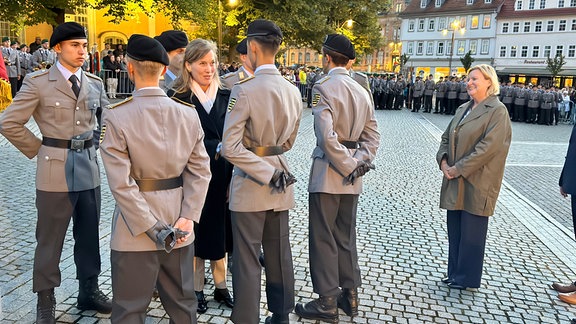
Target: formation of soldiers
532,104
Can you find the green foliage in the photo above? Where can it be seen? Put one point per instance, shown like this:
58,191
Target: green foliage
303,22
555,65
403,60
467,61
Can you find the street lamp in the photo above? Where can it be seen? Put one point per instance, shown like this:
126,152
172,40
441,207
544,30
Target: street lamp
455,25
231,3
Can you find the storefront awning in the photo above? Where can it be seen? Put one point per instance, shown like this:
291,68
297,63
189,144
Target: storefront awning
533,71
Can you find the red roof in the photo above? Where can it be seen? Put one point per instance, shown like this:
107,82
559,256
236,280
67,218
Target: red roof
450,6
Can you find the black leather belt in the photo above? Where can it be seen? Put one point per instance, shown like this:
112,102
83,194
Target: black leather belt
73,144
159,184
349,144
266,150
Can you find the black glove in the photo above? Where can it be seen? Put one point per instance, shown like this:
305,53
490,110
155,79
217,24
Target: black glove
281,180
163,235
361,168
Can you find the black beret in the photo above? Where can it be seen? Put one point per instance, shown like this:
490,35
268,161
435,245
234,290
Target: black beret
44,41
67,31
5,39
22,46
263,27
340,44
144,48
242,48
172,39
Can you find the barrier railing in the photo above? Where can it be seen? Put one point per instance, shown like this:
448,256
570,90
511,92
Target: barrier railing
117,84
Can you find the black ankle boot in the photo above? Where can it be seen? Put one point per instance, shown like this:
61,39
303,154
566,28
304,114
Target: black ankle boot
348,301
224,296
45,309
202,304
92,298
277,319
321,309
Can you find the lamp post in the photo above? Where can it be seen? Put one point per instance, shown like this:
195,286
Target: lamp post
231,3
455,25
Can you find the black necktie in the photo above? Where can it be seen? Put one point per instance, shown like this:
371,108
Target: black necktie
75,86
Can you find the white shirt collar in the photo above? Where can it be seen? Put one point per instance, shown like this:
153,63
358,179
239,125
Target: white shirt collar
66,73
265,66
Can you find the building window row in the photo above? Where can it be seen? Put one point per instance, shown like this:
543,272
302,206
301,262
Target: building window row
541,4
442,23
461,47
562,24
536,51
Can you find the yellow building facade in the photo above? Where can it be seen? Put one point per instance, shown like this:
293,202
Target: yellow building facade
100,30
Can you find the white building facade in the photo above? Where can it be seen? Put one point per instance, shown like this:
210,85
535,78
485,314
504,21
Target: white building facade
427,32
530,31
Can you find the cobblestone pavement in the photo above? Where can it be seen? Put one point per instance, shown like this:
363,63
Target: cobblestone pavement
401,235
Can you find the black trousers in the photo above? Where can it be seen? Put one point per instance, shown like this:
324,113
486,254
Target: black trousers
466,245
13,85
417,104
135,274
438,105
332,240
518,113
55,209
428,103
573,201
270,230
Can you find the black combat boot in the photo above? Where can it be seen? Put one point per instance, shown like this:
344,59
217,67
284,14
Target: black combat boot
321,309
45,309
348,301
92,298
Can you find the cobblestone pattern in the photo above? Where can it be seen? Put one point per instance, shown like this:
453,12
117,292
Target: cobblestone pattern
401,239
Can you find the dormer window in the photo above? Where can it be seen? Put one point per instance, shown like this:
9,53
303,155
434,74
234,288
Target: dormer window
487,1
423,3
469,2
438,3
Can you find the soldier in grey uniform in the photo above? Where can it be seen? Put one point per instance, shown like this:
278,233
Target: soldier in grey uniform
261,124
417,94
158,199
25,63
244,72
65,103
174,42
429,87
12,62
520,96
534,99
507,97
347,140
42,57
440,88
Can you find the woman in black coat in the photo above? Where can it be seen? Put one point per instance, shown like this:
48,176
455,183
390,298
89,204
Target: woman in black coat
199,84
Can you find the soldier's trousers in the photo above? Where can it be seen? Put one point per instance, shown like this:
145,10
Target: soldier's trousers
55,209
332,243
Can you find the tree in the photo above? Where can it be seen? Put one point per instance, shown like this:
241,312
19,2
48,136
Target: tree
403,60
467,61
555,65
32,12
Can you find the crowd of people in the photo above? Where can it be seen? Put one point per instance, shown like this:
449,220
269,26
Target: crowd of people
219,182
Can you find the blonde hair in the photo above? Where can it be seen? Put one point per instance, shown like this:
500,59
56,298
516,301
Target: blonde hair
146,68
489,74
195,50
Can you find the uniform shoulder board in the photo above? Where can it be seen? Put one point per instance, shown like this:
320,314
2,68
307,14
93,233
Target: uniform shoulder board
39,73
93,76
288,79
324,79
361,74
119,103
227,75
247,79
183,102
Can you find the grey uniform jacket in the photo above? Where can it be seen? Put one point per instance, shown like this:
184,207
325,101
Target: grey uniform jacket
263,111
13,59
342,111
418,89
230,79
151,136
48,97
